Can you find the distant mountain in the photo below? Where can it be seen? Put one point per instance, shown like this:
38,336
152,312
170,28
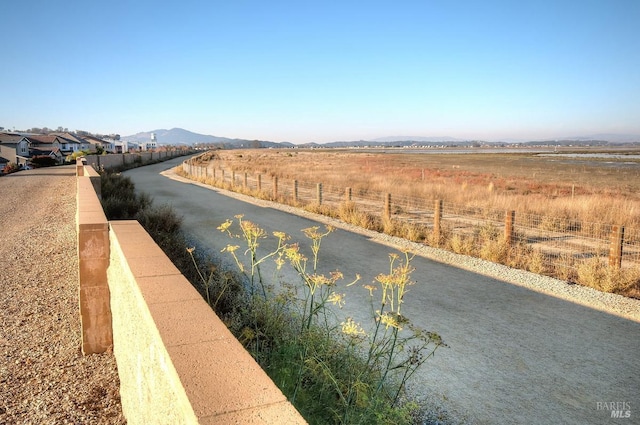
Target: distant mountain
608,137
180,136
175,136
590,140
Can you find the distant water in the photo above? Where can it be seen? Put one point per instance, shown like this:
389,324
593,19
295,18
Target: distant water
592,155
439,151
540,151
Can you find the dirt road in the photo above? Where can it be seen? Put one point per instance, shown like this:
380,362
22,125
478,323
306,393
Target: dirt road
517,355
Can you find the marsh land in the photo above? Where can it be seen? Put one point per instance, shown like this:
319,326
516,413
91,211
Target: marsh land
582,186
576,197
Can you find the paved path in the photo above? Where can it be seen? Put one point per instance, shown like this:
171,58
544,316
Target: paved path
516,356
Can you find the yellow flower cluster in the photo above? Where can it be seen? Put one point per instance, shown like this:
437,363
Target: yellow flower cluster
353,329
293,254
313,233
394,284
336,299
230,248
252,232
389,320
224,227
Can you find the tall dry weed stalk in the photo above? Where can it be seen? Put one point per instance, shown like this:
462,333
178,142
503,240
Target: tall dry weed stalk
359,370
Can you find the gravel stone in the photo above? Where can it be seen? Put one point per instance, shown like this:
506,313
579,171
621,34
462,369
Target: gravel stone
44,378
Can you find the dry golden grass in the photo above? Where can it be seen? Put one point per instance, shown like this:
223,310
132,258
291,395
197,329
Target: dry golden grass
587,191
563,194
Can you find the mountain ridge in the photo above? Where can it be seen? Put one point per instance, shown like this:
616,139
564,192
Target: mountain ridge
177,136
180,136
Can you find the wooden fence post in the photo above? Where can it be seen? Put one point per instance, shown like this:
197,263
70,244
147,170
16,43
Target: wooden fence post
437,217
319,193
509,231
246,180
259,182
347,194
275,187
233,178
222,177
295,190
387,206
214,173
615,247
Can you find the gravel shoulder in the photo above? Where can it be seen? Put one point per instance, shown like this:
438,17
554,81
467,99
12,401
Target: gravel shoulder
44,378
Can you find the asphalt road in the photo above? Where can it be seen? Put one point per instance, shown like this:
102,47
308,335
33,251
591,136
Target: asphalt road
516,356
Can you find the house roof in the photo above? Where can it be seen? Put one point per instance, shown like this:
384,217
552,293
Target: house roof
45,151
42,139
70,137
11,138
94,140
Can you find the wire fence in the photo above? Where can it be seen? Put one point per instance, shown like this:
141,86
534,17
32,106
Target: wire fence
558,243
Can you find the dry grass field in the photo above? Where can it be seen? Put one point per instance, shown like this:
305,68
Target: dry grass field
590,190
573,200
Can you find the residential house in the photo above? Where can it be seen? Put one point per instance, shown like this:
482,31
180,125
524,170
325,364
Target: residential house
97,144
42,141
71,143
47,145
122,146
14,148
39,153
149,145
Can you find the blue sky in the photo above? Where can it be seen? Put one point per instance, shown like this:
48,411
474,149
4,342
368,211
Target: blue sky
304,71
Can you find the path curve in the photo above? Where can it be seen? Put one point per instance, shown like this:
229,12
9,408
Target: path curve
520,352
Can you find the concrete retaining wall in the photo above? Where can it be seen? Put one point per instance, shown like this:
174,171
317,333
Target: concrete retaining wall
93,260
177,362
122,159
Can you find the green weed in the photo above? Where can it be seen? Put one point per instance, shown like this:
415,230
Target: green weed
332,372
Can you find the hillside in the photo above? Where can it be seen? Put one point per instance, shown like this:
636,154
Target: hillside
180,136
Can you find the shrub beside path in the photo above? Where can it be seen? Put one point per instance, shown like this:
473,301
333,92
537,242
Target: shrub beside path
44,378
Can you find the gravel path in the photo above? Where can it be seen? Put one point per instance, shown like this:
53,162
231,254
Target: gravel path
44,378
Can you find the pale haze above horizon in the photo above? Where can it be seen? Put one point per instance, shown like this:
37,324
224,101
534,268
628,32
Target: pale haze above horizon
324,71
